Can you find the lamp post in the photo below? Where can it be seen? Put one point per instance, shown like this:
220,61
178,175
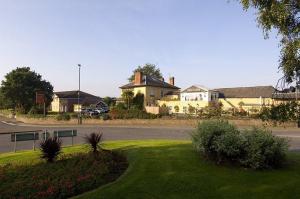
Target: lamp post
78,99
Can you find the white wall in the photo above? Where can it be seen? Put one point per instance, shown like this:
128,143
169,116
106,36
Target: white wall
199,96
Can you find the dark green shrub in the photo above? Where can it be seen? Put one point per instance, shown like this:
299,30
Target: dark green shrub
263,150
216,139
138,101
105,117
281,113
50,148
35,110
63,116
94,141
256,148
131,114
120,106
73,115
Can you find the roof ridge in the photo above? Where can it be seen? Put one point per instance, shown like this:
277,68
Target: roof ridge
248,86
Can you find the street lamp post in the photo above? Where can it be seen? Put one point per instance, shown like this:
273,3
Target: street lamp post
78,99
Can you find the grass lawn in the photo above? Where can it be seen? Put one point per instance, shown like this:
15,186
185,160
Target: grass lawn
171,169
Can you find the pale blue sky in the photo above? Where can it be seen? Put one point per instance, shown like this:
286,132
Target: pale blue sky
213,43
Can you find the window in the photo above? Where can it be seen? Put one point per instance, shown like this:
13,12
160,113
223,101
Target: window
151,92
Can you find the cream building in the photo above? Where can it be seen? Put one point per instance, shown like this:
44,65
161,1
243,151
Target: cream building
67,101
195,96
199,97
158,94
152,88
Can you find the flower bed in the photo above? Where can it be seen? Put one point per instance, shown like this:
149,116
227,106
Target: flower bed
70,176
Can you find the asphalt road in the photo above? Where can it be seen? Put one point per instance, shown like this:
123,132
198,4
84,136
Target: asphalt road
113,133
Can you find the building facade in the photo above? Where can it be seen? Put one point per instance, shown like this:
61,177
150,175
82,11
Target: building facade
198,97
65,101
152,88
158,93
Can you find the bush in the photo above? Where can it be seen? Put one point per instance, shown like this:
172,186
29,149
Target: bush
213,109
50,148
105,117
94,140
35,110
217,139
71,175
255,148
120,106
131,114
281,113
263,150
63,116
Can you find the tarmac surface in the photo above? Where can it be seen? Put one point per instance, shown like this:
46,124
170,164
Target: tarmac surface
8,126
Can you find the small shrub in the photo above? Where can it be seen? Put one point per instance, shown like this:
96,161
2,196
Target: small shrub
131,114
263,150
105,117
176,108
94,141
35,110
213,109
120,106
191,109
50,148
63,116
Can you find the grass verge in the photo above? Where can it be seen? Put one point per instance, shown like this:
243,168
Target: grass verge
171,169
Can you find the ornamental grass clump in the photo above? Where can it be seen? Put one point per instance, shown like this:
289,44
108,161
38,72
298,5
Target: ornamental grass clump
222,142
94,141
50,148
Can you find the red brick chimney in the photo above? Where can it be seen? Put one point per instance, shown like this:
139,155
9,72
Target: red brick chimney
138,78
172,81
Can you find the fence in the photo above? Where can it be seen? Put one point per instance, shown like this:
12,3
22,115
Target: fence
10,141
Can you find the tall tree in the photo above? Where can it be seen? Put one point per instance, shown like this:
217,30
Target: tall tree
282,15
147,69
19,88
127,96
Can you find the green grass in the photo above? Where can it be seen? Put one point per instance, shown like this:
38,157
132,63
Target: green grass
171,169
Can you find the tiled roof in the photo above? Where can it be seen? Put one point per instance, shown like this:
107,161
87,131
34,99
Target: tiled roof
150,81
195,88
85,98
246,92
73,94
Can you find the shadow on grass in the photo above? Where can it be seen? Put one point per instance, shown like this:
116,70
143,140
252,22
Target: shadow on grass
175,170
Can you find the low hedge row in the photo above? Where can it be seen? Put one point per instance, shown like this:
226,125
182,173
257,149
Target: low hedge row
256,148
131,114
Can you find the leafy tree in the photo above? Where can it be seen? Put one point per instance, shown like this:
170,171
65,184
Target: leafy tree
127,95
282,15
109,101
138,101
147,69
19,88
2,105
